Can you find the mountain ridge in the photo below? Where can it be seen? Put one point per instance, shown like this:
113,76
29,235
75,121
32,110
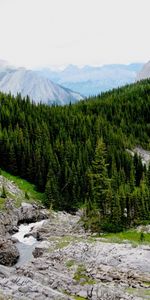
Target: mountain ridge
90,80
145,72
39,89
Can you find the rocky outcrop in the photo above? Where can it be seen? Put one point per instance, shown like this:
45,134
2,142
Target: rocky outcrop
11,216
9,221
9,253
37,252
72,264
30,213
26,213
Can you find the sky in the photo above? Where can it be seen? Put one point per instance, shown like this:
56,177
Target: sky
35,33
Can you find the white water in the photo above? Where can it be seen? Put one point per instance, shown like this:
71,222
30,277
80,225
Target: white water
24,229
26,244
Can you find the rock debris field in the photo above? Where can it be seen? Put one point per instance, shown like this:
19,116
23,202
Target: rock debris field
68,263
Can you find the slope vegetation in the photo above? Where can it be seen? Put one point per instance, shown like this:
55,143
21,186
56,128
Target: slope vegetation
77,153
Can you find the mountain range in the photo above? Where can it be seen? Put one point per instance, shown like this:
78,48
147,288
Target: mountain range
68,85
39,89
91,80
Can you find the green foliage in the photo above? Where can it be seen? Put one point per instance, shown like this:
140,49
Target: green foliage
2,203
142,237
78,298
27,196
99,180
143,293
82,277
70,263
131,236
24,185
3,194
77,154
111,227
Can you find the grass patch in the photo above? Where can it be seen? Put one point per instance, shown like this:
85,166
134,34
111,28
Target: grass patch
26,187
79,298
146,283
132,236
143,293
70,263
2,203
81,276
66,240
62,244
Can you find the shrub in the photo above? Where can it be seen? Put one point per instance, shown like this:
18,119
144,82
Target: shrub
142,237
27,196
3,194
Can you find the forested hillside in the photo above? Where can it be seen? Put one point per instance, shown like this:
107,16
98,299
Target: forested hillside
77,153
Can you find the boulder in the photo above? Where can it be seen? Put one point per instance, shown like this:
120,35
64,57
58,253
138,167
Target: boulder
31,213
14,240
27,213
35,234
37,252
9,253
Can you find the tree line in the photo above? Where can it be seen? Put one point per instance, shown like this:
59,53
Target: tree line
77,154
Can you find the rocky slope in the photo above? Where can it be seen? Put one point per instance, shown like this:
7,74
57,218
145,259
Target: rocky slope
145,72
10,218
39,89
68,262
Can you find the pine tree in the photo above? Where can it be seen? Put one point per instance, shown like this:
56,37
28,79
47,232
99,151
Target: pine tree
116,213
100,183
51,191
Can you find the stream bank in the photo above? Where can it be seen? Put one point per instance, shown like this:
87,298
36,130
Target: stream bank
71,264
26,243
9,225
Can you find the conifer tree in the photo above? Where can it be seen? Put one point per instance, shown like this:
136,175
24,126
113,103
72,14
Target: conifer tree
99,178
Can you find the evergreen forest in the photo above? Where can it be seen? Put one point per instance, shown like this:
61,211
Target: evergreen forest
77,154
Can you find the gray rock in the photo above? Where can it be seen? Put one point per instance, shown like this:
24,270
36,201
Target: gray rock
27,213
9,253
83,293
14,240
5,272
105,269
37,252
24,289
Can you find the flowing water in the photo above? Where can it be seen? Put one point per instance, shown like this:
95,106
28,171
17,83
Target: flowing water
26,244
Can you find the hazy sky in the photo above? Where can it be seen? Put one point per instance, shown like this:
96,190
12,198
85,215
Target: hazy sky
59,32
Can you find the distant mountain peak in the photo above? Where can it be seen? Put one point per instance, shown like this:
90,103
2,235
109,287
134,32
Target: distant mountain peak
145,72
38,88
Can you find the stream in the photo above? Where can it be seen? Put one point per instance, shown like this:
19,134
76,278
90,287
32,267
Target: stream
26,244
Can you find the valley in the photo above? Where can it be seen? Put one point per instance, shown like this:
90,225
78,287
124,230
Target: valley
67,261
74,204
74,150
